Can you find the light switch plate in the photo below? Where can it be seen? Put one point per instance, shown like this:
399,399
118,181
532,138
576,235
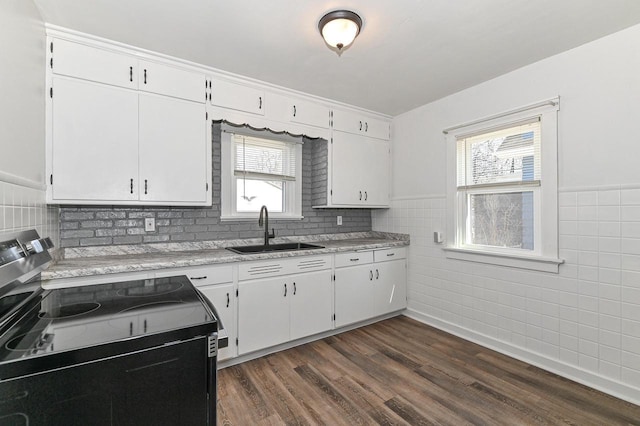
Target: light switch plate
150,224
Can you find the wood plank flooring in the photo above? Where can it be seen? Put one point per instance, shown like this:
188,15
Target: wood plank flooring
402,372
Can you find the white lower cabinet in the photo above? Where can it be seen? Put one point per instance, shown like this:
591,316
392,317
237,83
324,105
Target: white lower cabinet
277,308
223,298
369,284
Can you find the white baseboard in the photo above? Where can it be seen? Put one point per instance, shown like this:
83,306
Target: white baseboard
604,384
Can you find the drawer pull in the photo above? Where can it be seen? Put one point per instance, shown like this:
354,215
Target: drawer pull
390,254
204,277
355,259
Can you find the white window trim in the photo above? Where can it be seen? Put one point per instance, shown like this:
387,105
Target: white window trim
545,256
293,199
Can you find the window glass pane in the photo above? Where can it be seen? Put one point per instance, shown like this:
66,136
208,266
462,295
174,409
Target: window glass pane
253,194
507,155
501,220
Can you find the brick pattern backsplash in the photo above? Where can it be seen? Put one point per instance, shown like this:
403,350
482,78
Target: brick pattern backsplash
107,225
586,317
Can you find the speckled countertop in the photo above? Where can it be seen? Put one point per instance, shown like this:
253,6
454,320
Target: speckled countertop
90,261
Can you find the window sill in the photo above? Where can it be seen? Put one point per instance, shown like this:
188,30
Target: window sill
535,263
254,217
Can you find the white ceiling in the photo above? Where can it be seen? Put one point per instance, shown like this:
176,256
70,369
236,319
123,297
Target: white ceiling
409,52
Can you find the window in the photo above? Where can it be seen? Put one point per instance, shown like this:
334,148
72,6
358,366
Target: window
261,168
503,208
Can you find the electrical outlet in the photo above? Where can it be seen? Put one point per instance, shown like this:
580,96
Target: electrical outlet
150,224
339,220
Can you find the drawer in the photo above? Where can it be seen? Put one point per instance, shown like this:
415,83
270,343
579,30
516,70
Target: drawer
390,254
353,258
202,276
277,267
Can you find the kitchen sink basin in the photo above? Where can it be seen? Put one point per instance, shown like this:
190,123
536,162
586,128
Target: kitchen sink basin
273,247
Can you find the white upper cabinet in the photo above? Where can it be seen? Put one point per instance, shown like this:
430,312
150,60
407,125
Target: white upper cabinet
360,124
137,139
92,63
94,144
173,156
359,171
238,97
171,81
308,113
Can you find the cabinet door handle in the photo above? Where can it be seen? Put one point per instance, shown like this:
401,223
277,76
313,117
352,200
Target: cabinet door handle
294,111
365,195
131,186
228,300
360,125
130,329
130,73
366,126
204,277
145,326
285,289
145,186
260,103
360,195
370,275
294,289
145,76
377,274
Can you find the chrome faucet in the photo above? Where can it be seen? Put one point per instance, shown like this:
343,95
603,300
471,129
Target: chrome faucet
264,221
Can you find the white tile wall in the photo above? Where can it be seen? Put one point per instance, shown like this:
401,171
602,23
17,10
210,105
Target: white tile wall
23,208
585,318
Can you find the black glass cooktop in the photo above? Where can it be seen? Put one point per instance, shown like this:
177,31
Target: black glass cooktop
80,317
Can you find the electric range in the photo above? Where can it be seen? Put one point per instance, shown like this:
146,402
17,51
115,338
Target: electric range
129,352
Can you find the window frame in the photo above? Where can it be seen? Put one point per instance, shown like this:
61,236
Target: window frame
544,256
292,204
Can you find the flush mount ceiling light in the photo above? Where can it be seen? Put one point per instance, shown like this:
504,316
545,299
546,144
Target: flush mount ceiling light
339,28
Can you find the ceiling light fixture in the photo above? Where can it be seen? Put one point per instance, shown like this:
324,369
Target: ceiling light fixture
339,28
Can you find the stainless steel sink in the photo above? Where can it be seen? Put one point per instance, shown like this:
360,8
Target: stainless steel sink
273,247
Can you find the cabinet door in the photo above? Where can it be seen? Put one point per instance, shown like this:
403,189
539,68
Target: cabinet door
312,114
173,151
223,298
310,304
353,122
94,142
237,96
263,313
390,286
376,175
353,294
171,81
349,154
94,64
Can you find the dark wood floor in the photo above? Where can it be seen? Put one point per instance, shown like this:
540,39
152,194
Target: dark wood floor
400,371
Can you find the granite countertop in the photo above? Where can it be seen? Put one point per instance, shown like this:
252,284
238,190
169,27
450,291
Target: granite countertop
91,261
